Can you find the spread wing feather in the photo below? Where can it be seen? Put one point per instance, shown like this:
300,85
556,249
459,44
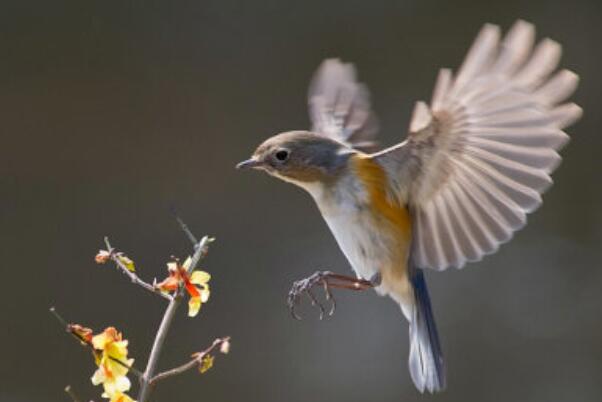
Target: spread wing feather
339,106
477,161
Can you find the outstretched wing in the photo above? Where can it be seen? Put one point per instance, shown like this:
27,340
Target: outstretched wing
477,161
339,106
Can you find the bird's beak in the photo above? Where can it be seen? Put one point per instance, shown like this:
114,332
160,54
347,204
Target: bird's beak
249,164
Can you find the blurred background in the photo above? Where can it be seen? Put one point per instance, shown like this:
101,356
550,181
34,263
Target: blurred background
113,111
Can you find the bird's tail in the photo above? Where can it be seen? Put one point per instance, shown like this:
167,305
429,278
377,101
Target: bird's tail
426,358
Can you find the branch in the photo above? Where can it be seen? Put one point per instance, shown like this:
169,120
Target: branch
72,394
86,342
185,228
201,249
133,369
114,256
196,361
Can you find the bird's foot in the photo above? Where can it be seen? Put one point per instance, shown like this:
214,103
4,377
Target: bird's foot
328,280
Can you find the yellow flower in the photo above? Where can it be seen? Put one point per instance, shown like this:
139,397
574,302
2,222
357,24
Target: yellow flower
178,274
121,397
198,294
113,364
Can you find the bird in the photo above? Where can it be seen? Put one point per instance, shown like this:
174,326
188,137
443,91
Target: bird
475,162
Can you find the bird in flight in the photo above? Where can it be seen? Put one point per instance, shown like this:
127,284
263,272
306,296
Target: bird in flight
475,161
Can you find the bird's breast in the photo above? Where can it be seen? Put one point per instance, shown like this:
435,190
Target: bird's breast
371,230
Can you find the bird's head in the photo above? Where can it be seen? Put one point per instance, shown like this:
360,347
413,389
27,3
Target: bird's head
300,157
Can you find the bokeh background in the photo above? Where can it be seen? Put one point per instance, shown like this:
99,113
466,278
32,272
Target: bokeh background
112,111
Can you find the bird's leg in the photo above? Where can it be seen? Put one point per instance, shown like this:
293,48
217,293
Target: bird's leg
328,280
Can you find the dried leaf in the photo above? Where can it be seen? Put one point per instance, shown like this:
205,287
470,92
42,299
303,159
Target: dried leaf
206,363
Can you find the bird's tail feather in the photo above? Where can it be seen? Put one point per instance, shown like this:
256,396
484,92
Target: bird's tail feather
426,358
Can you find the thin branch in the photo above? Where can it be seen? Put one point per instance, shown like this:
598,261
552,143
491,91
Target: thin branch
131,368
201,250
196,361
132,275
185,228
85,342
69,329
72,394
58,317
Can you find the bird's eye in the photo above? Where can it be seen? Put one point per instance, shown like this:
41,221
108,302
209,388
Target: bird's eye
281,155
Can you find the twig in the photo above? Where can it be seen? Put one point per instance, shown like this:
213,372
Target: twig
72,394
145,381
197,360
85,342
185,228
200,251
133,369
69,329
58,317
132,275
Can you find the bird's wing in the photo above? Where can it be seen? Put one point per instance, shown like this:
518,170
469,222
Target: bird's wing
478,159
339,106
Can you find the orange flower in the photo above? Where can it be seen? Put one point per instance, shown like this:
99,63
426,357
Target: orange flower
196,284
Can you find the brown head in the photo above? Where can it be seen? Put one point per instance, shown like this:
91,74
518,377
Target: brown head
299,157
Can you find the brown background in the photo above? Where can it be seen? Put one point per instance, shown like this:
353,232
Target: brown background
112,111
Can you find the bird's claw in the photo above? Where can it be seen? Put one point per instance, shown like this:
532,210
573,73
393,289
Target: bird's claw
304,286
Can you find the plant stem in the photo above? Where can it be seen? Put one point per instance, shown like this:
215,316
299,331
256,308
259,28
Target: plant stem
132,275
145,381
198,357
185,229
71,393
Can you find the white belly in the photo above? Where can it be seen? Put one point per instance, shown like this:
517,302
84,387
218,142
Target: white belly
372,246
365,249
346,212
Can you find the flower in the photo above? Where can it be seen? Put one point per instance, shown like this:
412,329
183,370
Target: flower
198,294
121,397
113,365
196,284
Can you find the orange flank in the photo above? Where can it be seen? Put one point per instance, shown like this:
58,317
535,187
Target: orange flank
374,178
396,218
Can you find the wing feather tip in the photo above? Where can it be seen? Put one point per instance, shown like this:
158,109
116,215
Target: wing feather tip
566,114
522,25
421,117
